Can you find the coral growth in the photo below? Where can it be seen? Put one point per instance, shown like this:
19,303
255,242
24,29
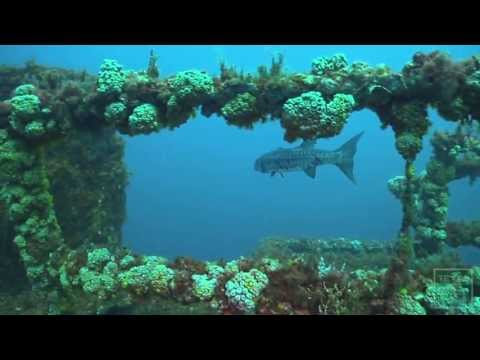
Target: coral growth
25,192
115,112
190,88
111,78
143,119
244,289
324,65
204,286
240,110
309,116
62,200
152,275
27,117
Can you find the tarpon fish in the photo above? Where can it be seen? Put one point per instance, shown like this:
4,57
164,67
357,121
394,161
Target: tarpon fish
306,158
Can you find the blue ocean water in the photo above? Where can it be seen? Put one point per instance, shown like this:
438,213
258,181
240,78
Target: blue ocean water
194,191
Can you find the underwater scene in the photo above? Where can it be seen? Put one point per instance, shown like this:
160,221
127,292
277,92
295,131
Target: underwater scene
239,180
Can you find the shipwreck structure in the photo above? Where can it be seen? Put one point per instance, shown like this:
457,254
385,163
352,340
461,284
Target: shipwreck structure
62,194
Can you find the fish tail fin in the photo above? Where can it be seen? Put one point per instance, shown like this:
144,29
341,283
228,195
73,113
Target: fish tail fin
348,151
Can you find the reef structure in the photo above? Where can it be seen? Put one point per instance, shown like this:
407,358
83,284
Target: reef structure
456,156
42,108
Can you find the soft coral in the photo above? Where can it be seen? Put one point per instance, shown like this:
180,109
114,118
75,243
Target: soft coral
438,73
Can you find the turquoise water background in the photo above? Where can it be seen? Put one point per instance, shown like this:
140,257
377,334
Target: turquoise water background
194,191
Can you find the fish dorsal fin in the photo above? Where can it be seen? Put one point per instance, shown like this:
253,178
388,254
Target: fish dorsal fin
311,171
308,144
